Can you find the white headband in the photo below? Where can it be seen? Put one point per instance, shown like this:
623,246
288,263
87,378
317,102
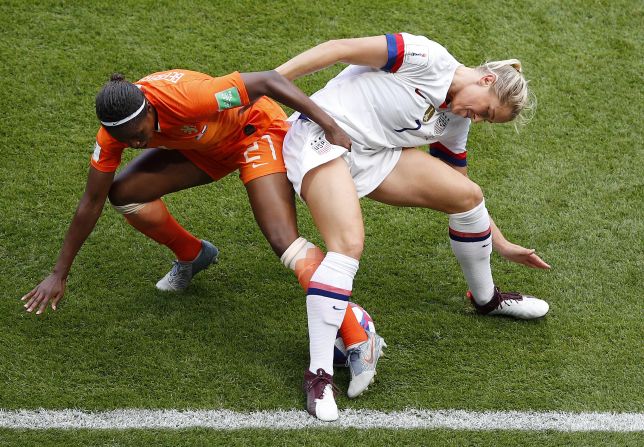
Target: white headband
126,119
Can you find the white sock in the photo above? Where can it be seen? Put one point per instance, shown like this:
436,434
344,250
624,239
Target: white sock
471,241
326,302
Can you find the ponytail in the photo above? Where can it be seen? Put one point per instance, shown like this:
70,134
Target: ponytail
511,88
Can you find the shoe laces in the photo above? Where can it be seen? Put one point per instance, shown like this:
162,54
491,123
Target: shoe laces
179,275
320,376
354,354
506,297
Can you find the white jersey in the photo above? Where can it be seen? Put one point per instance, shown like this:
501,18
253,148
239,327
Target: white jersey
383,110
402,104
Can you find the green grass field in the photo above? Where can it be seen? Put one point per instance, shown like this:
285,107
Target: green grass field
569,184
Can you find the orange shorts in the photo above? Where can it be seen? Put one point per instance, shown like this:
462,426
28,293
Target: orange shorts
261,157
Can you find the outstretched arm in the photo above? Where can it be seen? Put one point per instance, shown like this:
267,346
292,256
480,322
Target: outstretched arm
369,51
52,288
276,86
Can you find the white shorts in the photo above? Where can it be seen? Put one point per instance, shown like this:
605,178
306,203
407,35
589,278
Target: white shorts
306,148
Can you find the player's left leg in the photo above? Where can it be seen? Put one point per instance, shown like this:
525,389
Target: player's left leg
136,193
332,199
421,180
272,200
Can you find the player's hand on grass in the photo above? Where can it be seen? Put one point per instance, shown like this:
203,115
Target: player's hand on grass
521,255
50,290
338,137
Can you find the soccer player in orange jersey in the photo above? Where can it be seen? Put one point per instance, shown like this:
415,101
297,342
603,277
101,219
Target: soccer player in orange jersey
196,129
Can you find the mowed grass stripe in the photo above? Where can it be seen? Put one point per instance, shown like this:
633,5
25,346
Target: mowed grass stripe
293,420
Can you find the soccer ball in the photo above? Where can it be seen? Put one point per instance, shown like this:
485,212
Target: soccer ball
365,320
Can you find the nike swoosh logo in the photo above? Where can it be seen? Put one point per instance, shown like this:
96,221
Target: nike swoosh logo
371,354
257,165
337,308
203,131
486,244
409,128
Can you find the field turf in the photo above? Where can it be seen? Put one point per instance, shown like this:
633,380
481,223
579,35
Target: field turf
568,184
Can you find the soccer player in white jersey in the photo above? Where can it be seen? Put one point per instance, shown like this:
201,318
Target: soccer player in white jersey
401,91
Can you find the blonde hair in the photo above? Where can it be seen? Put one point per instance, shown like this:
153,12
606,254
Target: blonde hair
511,87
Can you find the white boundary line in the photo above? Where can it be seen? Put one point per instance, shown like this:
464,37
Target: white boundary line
294,419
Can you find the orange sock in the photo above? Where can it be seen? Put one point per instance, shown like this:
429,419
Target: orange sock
155,221
308,264
350,330
305,262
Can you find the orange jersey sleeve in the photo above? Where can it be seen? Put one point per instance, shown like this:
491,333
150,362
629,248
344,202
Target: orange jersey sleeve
107,152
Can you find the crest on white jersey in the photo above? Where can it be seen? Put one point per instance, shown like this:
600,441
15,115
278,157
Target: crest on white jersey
428,114
441,124
320,145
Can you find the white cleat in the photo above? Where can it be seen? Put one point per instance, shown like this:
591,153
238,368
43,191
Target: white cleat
320,395
512,304
362,361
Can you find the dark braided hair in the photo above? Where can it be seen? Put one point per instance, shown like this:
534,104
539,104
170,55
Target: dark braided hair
118,99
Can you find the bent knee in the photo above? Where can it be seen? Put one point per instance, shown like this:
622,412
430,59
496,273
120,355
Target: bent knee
348,244
475,195
118,195
471,196
123,192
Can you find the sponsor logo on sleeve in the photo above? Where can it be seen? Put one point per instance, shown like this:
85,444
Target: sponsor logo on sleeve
416,55
228,98
97,152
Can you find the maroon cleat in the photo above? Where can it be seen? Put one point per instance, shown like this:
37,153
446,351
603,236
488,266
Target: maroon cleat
320,395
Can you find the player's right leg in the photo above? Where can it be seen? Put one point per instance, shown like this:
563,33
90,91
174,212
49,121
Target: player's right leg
271,197
364,351
136,193
330,194
324,181
421,180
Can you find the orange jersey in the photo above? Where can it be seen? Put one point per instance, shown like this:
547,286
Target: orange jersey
196,112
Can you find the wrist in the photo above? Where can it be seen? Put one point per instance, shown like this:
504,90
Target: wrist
499,244
322,119
330,126
60,273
